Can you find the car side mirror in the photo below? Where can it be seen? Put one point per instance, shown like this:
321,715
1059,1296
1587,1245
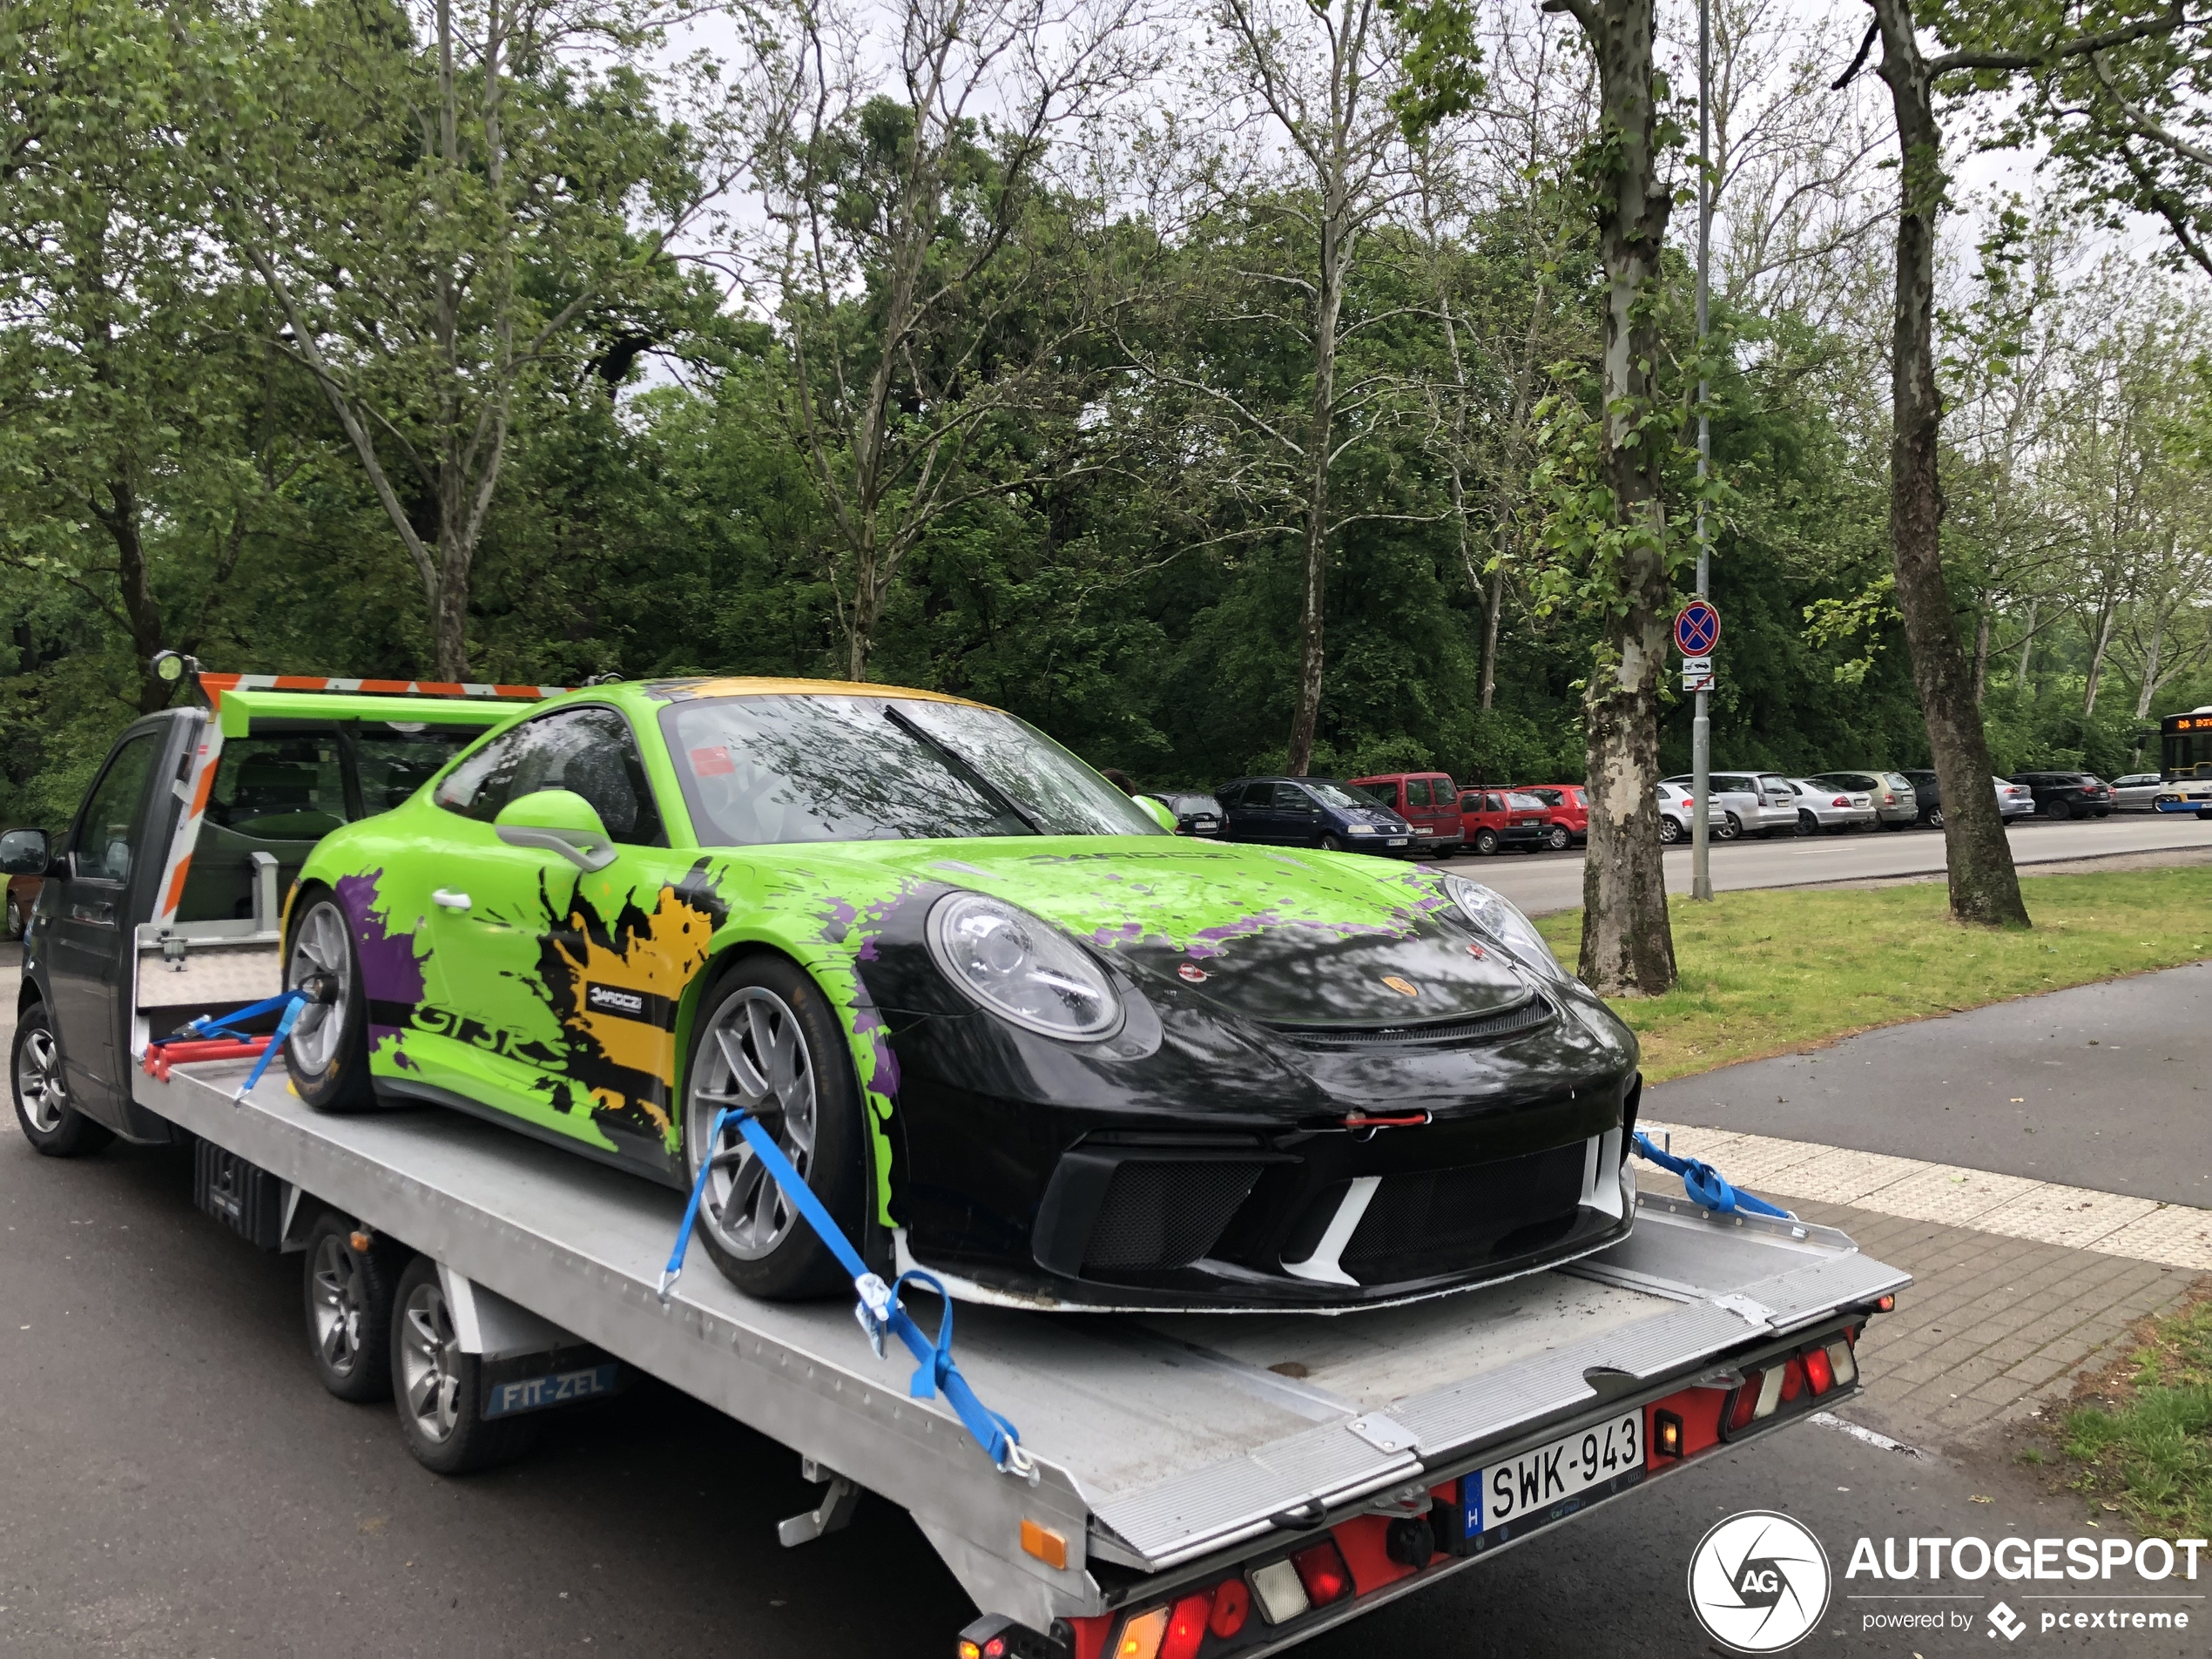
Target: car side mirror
557,820
25,851
1160,812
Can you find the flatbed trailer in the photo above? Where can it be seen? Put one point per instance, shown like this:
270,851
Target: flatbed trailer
1174,1453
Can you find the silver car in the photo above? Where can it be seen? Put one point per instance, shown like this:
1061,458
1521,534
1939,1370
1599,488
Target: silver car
2013,800
1890,793
2136,792
1753,803
1825,807
1676,806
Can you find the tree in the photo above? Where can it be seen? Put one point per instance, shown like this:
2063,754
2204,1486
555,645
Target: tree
1628,945
441,222
1984,886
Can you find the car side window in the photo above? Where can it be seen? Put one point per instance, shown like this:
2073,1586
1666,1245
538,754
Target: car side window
1417,793
587,750
1232,796
1291,797
108,834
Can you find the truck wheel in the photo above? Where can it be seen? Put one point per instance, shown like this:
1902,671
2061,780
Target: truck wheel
349,1309
767,1041
49,1123
440,1389
327,1051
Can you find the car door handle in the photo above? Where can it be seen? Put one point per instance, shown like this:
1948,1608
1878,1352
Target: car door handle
449,899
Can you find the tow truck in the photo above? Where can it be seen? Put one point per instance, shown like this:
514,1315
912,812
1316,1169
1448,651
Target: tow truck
1192,1485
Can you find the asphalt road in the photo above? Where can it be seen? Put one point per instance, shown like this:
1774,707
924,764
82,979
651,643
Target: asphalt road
2102,1086
1541,882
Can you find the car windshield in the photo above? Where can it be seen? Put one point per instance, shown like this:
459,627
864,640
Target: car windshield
1331,794
760,771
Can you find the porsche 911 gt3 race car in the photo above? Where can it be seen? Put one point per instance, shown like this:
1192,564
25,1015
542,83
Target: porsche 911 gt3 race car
1007,1026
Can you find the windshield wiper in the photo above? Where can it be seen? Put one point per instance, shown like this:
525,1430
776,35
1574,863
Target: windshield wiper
965,767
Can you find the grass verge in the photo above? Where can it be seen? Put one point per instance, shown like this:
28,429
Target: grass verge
1764,972
2146,1450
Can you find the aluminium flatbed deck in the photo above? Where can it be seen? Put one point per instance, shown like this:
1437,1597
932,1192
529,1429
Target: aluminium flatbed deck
1167,1445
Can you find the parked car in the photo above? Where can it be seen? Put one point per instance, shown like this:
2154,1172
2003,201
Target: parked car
1753,803
1890,793
2013,800
1827,807
1194,814
22,899
1493,818
1311,811
1677,809
2068,795
2136,792
1567,813
1427,800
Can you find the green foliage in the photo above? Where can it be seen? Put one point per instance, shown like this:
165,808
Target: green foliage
2152,1452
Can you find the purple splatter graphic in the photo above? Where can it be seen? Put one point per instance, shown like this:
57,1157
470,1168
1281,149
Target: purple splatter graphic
390,971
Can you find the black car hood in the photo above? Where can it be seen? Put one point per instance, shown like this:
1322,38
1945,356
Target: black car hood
1290,977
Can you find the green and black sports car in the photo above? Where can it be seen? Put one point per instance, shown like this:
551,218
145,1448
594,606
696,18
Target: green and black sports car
1007,1027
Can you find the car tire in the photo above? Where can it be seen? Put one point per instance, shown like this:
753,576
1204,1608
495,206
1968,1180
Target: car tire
1807,824
1331,844
327,1053
1558,838
761,1243
2055,809
49,1121
1935,818
1669,831
1486,842
1731,826
439,1390
348,1296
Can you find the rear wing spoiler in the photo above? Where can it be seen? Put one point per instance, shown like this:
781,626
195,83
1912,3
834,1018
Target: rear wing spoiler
237,700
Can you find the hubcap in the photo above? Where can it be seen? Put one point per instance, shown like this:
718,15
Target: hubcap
38,1081
429,1362
322,965
754,1057
340,1297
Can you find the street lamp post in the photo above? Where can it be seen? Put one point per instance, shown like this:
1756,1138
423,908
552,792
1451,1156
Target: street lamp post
1701,726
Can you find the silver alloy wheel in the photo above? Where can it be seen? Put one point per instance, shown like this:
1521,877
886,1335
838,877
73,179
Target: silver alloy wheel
755,1057
38,1081
340,1300
320,947
429,1362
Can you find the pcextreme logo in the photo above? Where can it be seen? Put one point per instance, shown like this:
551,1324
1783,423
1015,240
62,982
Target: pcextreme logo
1758,1581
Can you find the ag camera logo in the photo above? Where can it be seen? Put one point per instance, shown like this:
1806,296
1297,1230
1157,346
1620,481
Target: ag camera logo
1758,1581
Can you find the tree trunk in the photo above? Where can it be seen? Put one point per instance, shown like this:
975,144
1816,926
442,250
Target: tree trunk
1628,946
2028,648
1981,654
1490,635
1985,889
2099,647
2148,689
119,518
1328,307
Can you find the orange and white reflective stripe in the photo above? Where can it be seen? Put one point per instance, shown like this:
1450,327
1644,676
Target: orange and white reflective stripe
199,781
216,684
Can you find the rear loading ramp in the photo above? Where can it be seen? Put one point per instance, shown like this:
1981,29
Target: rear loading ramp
1162,1441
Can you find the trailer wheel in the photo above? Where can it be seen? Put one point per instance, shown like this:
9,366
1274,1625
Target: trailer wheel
440,1389
49,1123
348,1295
767,1041
327,1052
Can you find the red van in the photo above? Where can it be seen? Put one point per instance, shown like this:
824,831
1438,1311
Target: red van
1567,813
1427,800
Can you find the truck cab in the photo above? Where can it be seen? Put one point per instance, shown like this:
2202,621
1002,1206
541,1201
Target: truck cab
162,900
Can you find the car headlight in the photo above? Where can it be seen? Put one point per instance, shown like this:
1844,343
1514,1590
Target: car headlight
1492,914
1359,829
1022,967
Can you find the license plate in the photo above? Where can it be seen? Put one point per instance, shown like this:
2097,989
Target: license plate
536,1394
1551,1482
1397,840
1527,823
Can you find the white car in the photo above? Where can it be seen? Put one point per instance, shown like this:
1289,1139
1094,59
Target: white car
1755,803
1825,807
2013,800
1676,806
2136,792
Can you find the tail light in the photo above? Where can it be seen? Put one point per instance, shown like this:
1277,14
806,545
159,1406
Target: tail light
1820,1376
1232,1601
1187,1626
1840,800
1795,1380
1321,1570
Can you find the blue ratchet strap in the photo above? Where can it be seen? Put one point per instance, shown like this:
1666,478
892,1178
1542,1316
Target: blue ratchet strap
224,1025
879,1309
1706,1184
294,1001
